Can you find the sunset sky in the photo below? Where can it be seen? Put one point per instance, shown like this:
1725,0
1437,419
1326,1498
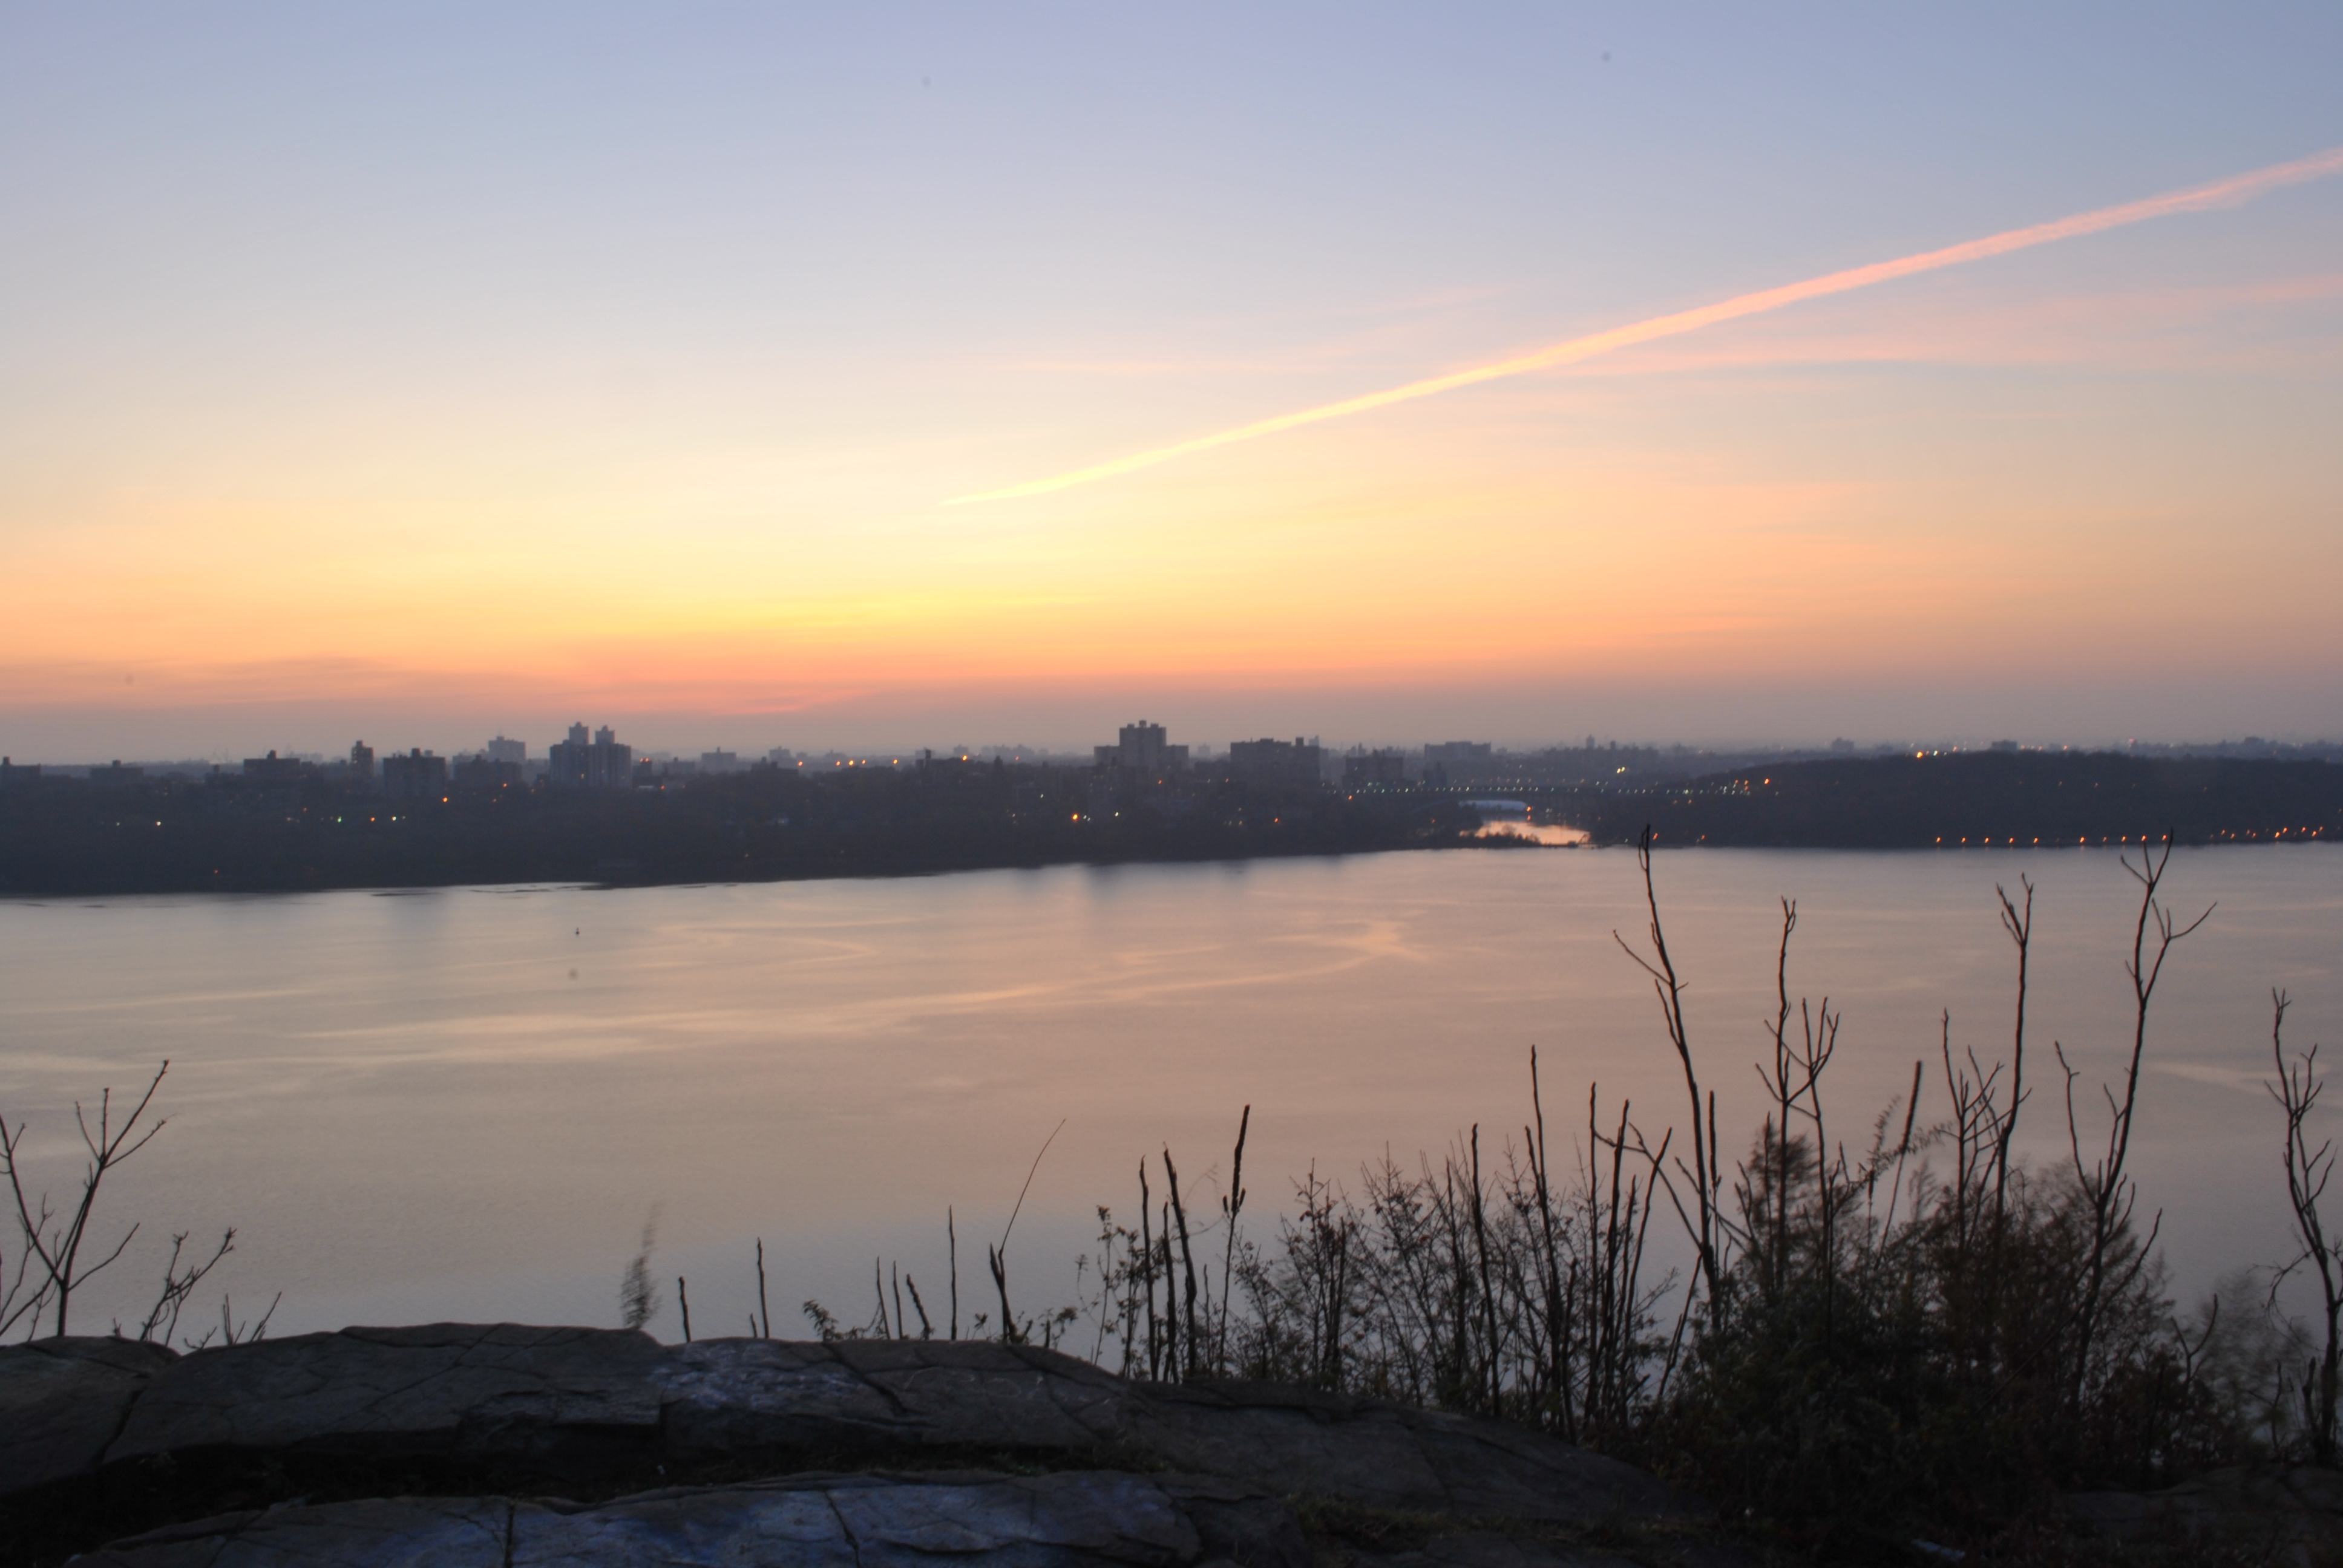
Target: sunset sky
418,371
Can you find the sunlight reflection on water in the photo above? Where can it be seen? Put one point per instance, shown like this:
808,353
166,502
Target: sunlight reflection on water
1512,819
1551,834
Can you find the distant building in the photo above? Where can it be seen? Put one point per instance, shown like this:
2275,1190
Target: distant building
18,772
362,762
275,769
1456,759
782,757
721,762
1382,768
1142,751
116,773
503,750
1295,764
418,775
485,771
602,763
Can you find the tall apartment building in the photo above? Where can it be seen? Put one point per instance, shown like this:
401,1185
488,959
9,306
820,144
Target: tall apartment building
417,775
1142,751
1296,764
1456,762
602,763
482,771
275,769
503,750
1383,768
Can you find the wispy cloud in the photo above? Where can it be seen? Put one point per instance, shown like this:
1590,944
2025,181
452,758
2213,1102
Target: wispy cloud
2228,192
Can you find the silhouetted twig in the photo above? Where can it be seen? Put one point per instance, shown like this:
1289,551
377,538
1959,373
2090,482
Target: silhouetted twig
57,1246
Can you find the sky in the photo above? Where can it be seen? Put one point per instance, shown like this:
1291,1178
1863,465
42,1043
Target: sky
423,372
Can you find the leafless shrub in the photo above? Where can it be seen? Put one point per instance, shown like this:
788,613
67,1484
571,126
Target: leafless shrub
997,1260
50,1243
638,1296
53,1245
1917,1323
2248,1359
2108,1188
161,1320
232,1331
2307,1170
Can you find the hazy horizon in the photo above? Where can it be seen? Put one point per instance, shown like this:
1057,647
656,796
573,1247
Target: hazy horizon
751,739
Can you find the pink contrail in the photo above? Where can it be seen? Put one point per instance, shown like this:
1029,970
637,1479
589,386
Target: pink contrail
2227,192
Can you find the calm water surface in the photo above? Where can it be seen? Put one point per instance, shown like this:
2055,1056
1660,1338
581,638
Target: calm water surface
463,1103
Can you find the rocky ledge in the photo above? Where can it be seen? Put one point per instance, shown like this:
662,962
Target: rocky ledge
505,1444
2286,1514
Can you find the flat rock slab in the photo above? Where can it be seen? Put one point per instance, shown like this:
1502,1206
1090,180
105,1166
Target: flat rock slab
2281,1513
503,1405
1482,1549
1068,1520
729,1395
1390,1456
63,1402
560,1399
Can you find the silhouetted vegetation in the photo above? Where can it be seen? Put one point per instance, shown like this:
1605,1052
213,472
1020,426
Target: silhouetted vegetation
63,835
1982,798
2307,1170
1915,1331
58,1251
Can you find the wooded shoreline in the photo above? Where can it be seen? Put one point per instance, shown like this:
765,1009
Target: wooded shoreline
73,837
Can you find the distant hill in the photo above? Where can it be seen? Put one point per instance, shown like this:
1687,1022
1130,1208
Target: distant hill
1985,799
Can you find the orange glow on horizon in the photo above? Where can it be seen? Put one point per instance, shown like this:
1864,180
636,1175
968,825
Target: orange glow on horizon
1750,511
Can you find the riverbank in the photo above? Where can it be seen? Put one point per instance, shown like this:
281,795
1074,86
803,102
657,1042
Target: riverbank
1983,800
71,837
230,833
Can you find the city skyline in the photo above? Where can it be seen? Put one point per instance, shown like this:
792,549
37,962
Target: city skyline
449,372
732,753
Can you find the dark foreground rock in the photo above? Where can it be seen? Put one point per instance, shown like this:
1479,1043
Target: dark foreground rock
572,1407
1074,1520
2261,1513
370,1426
63,1402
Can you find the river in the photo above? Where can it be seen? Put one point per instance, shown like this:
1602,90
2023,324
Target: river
465,1103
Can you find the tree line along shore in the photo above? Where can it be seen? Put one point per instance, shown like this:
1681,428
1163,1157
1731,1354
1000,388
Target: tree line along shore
73,836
